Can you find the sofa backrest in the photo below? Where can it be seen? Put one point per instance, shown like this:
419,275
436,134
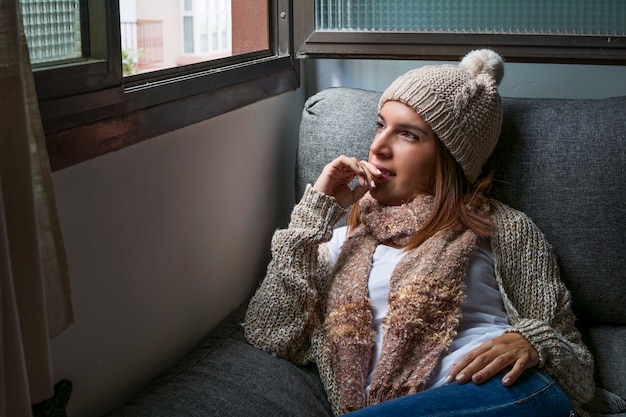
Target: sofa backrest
563,162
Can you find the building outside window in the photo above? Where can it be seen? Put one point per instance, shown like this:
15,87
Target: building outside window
206,27
158,34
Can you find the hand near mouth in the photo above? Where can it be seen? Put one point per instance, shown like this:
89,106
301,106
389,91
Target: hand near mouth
336,177
368,173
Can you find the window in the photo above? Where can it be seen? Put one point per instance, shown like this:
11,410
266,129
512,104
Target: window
177,33
206,27
110,73
53,30
584,31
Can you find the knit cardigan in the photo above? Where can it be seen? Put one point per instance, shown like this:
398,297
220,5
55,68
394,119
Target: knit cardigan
285,316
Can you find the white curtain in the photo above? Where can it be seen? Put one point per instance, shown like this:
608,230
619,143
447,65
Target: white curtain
35,301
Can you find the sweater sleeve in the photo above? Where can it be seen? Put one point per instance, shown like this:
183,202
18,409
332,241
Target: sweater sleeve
539,304
290,300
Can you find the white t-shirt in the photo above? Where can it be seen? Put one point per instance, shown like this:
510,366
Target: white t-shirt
483,314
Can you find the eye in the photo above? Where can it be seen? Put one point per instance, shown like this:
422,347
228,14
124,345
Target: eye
379,126
410,135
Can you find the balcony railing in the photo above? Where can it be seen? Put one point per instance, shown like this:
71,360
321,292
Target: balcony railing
142,41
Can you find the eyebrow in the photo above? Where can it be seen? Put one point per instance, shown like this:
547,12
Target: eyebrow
407,126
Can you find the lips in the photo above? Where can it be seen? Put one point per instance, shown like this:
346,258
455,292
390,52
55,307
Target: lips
385,173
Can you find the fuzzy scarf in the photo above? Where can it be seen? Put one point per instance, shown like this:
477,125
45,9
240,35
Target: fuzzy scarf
426,291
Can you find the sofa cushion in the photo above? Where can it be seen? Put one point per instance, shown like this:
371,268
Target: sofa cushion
563,162
225,376
607,345
335,121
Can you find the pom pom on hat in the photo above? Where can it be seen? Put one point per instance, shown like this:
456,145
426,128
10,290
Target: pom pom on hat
460,103
484,61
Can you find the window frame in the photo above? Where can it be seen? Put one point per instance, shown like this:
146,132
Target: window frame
89,109
312,43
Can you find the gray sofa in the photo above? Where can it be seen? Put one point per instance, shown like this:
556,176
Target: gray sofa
563,162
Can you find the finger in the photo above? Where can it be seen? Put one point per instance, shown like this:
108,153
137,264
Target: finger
492,368
360,190
344,165
486,366
337,174
459,370
456,374
481,364
480,369
353,164
513,375
368,175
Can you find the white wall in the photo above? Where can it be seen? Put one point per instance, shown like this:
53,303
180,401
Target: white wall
164,238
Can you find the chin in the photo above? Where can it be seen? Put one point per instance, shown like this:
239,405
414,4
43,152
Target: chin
385,199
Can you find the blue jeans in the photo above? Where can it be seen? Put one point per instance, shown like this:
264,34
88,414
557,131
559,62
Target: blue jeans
535,394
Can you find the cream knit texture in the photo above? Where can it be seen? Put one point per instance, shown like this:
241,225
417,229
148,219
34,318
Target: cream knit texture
285,316
460,103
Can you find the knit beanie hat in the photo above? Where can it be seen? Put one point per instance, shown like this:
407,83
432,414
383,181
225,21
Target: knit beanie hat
460,103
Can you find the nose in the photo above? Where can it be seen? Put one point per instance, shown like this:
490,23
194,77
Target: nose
380,144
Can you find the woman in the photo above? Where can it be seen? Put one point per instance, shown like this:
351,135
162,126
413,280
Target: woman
435,299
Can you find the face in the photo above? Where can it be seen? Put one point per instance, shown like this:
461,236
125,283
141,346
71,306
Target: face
404,150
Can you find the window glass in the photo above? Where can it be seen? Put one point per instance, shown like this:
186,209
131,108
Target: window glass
188,47
516,17
161,34
52,30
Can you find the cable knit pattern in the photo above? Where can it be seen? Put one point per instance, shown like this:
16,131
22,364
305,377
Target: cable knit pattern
459,102
285,317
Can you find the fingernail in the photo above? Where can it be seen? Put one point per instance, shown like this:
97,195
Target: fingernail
477,378
373,184
448,379
460,378
506,381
